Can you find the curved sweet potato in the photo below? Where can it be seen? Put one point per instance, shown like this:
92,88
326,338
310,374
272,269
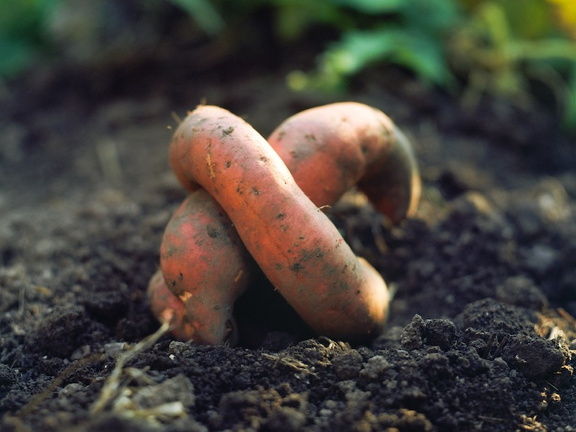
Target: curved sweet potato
206,267
294,243
331,148
166,307
328,149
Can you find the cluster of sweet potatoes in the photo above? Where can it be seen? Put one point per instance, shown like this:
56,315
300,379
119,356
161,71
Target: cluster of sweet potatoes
256,203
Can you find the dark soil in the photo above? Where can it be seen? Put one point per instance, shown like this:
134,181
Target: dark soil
481,334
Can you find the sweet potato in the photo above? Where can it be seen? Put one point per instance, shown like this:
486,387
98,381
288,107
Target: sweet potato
206,267
331,148
169,308
350,141
294,243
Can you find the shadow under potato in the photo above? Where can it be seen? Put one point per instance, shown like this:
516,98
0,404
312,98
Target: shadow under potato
265,319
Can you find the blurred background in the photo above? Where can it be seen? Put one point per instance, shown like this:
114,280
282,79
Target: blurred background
520,51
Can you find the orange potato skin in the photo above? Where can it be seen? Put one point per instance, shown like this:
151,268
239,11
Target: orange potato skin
169,308
205,266
294,243
329,149
350,141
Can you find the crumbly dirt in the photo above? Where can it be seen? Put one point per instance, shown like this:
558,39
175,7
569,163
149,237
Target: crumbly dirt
481,334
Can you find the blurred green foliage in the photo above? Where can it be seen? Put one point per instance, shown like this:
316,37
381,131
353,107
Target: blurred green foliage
22,33
205,15
505,50
409,33
469,47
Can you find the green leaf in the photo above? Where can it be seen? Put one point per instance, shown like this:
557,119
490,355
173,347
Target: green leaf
204,13
22,33
431,17
532,19
16,55
372,6
360,48
424,56
295,17
569,118
24,18
411,49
